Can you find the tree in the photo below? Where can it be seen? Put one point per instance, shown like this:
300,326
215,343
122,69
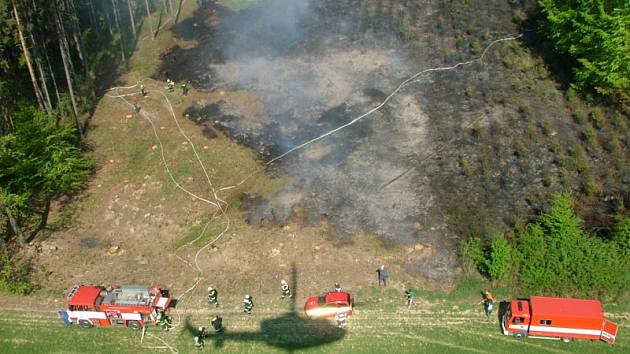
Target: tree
64,49
595,36
131,19
120,33
27,55
39,161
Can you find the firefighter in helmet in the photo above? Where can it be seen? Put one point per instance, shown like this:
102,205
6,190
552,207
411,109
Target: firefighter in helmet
337,287
213,296
488,302
342,318
286,291
217,324
164,321
200,337
248,304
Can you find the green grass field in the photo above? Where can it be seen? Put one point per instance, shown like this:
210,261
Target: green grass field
432,328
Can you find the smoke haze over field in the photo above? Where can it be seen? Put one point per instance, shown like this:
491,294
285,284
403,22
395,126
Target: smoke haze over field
316,66
268,30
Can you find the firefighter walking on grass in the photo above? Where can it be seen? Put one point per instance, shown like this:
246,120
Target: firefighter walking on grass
411,298
488,302
200,338
382,275
164,321
248,304
342,318
213,296
286,291
217,324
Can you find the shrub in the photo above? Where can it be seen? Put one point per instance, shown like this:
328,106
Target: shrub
499,261
621,236
555,256
15,275
598,116
472,255
531,256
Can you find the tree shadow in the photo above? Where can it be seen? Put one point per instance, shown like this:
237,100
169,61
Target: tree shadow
289,331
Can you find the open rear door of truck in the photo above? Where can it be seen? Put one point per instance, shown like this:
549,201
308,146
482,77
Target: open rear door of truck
609,332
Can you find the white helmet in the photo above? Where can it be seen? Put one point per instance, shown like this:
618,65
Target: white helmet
248,297
201,329
210,288
284,282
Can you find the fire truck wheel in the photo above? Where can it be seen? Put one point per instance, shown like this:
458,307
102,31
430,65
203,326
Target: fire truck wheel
135,325
520,335
85,324
565,340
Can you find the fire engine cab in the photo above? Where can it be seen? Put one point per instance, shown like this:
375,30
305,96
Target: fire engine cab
558,318
127,305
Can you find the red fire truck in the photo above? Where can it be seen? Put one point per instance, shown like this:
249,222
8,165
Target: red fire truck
127,305
558,318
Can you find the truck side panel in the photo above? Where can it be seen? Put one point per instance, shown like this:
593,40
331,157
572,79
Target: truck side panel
567,325
564,332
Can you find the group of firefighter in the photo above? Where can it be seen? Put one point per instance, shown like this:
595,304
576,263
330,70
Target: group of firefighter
217,321
165,321
170,86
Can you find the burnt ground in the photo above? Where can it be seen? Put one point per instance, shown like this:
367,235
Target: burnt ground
471,151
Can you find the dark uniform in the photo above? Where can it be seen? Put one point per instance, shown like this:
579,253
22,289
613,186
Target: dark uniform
248,304
213,296
200,337
217,324
164,321
337,287
382,275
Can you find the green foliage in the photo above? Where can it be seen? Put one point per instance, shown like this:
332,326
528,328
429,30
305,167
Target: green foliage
555,256
472,255
499,261
38,161
621,236
15,276
595,35
531,254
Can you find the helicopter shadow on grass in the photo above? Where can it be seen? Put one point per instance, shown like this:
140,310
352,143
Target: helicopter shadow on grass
289,331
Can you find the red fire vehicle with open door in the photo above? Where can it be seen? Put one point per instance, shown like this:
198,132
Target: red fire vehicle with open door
559,318
128,305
